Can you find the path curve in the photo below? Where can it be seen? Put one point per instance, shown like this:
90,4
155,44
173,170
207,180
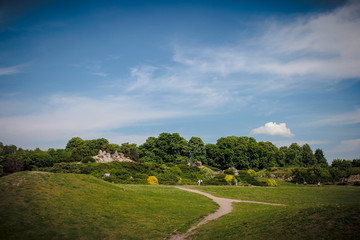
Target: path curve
225,207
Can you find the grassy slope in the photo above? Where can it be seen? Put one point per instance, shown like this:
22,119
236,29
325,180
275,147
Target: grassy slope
327,212
67,206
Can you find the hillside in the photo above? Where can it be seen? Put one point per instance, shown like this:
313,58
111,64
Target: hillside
73,206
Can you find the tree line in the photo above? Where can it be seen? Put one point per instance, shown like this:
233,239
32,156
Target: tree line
227,152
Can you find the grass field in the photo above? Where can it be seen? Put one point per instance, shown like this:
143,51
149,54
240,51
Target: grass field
70,206
326,212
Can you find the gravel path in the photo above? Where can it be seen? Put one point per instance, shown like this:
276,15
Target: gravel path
225,207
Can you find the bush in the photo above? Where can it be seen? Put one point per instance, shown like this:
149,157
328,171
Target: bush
230,179
251,172
271,183
219,179
229,171
246,179
152,180
207,172
88,159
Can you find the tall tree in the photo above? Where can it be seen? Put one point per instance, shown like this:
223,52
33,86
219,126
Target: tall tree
320,158
307,156
197,150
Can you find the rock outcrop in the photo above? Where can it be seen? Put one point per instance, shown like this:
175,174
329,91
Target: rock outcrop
104,157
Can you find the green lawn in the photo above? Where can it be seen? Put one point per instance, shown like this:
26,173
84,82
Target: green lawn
326,212
75,206
70,206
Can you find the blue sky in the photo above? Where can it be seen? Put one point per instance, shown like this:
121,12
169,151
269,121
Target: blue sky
279,71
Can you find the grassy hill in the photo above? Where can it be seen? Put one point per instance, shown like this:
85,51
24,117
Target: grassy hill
74,206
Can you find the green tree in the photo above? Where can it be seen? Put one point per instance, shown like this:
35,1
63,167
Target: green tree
130,150
164,149
320,158
197,150
293,157
111,148
74,143
9,149
307,156
212,153
96,144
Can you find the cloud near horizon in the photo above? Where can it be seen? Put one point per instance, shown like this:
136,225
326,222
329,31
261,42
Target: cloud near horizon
273,129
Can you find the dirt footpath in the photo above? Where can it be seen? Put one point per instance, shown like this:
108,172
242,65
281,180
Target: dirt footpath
225,207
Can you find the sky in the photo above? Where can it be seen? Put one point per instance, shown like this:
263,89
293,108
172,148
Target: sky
279,71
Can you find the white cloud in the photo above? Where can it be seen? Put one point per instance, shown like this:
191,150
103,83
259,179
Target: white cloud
274,129
314,48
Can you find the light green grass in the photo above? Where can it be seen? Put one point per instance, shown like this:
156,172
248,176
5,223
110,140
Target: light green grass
69,206
326,212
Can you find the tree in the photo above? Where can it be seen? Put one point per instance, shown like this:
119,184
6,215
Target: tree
320,158
212,153
293,155
130,150
74,143
96,144
307,156
9,149
12,164
164,149
197,150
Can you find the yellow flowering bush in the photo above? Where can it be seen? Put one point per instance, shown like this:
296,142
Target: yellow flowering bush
271,183
251,172
152,180
230,179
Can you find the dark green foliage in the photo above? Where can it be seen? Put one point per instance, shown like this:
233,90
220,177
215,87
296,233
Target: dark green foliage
244,178
320,158
197,150
219,179
74,143
315,174
12,164
164,149
88,159
137,173
130,151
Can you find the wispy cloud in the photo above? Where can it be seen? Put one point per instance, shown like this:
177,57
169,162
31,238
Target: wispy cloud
10,70
339,119
65,116
92,67
273,129
321,47
349,149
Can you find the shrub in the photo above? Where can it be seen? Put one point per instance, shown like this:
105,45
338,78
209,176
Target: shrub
207,172
219,179
271,183
88,159
230,179
251,172
152,180
229,171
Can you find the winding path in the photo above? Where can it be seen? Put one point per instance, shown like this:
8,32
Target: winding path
225,207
